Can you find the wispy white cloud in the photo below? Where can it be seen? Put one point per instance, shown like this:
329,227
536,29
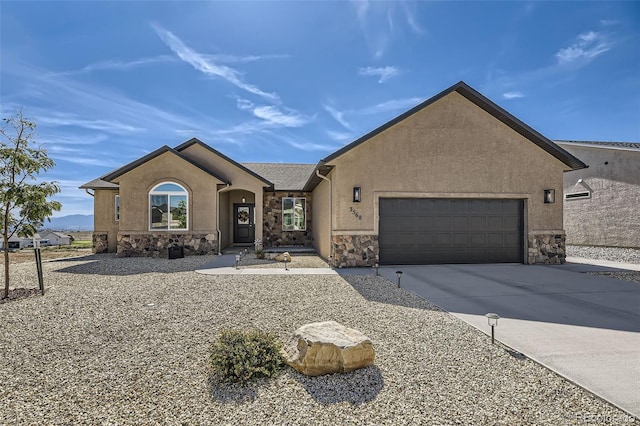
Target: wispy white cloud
111,126
97,161
338,116
206,65
390,105
340,136
237,59
513,95
379,22
384,73
587,46
277,117
119,65
310,146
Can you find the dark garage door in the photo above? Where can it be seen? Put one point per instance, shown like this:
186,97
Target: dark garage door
418,231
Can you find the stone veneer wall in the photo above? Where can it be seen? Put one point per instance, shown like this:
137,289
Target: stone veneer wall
157,244
546,248
355,250
100,242
273,235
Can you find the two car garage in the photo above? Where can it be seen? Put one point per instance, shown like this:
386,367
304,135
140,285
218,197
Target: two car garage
422,231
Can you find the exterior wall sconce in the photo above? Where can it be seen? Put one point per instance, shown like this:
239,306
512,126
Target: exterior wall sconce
356,194
549,196
399,274
492,319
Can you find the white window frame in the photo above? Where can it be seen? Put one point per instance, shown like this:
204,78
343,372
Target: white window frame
154,191
117,208
293,226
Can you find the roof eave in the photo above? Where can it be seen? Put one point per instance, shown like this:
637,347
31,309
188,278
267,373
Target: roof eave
194,141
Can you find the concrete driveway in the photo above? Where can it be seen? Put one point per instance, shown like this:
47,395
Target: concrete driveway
584,327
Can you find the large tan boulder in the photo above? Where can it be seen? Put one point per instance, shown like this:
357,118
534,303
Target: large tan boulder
328,347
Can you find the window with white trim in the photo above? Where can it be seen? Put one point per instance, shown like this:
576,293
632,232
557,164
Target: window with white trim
294,217
168,207
117,208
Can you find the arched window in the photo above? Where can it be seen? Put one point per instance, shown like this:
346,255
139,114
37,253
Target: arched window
168,207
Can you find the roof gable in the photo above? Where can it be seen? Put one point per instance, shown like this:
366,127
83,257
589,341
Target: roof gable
194,141
105,182
487,105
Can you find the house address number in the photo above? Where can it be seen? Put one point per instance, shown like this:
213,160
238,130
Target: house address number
355,213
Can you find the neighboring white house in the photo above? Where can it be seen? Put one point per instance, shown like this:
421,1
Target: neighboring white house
54,238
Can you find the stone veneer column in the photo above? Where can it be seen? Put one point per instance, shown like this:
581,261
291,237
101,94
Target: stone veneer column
546,248
272,233
355,250
157,244
100,242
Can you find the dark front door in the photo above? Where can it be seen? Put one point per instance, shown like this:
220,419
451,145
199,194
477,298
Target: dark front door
244,230
443,230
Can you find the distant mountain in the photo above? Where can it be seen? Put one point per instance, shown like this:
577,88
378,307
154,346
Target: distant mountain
73,222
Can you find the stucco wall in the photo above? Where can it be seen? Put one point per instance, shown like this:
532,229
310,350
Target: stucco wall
104,216
451,148
136,184
611,217
240,179
321,211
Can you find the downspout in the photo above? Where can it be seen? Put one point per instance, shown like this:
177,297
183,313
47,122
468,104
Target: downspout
218,218
330,212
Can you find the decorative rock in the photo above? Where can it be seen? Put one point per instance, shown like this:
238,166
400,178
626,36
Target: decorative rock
328,347
283,256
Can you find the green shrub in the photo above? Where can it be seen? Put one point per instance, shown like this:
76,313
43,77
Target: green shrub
238,356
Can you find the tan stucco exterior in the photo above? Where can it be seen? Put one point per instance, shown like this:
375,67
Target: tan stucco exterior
241,182
451,148
104,216
321,211
167,167
455,145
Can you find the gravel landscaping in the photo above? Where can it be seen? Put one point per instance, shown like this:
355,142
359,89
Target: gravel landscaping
614,254
126,341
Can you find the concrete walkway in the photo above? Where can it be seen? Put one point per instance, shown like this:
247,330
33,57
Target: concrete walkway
584,327
225,265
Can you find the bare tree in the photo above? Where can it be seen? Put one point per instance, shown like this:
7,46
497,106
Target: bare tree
24,203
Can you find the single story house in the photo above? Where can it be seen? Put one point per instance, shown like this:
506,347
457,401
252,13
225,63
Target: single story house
456,179
602,203
55,238
14,243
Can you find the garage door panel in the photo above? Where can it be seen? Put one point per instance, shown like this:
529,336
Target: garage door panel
428,231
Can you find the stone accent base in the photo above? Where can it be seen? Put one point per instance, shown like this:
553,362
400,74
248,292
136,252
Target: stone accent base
273,235
354,250
157,244
100,243
546,249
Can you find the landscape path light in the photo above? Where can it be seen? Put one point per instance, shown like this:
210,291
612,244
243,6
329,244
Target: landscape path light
237,260
492,319
399,274
377,273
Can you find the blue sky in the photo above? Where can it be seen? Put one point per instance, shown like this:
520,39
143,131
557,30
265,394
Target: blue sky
108,82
